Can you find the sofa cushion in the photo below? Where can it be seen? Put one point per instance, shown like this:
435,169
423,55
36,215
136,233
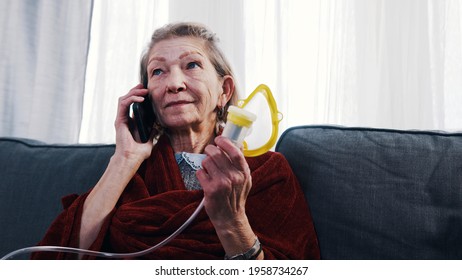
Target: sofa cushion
34,178
380,194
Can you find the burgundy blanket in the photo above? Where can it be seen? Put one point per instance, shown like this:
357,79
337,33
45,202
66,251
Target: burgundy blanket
156,203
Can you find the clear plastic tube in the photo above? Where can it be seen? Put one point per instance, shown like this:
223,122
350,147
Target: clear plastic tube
106,254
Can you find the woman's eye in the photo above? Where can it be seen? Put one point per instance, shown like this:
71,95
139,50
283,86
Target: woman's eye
192,65
156,72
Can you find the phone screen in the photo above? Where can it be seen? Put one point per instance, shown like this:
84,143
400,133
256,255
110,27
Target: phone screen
144,116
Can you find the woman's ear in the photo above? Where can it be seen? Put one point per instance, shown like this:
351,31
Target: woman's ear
228,89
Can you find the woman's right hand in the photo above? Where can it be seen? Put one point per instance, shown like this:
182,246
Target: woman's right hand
128,145
128,156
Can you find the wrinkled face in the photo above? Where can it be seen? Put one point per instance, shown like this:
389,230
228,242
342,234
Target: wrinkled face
183,84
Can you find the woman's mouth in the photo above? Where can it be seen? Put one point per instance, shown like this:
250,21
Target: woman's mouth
177,103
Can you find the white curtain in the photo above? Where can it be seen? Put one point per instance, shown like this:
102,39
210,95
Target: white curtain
43,54
373,63
390,63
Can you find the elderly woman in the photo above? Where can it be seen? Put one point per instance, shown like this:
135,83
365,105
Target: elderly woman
254,207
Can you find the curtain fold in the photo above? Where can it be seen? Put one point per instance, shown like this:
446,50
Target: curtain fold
43,58
381,63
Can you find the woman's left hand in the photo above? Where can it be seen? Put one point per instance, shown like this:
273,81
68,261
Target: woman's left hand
226,182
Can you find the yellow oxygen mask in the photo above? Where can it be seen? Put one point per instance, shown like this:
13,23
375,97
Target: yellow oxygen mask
239,122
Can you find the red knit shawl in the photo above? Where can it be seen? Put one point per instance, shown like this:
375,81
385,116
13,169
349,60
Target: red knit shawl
155,203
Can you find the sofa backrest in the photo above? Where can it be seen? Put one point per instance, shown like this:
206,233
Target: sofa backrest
34,177
380,194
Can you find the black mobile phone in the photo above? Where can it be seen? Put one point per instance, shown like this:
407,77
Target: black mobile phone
144,116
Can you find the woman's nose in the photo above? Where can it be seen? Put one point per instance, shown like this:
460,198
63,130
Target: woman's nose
176,81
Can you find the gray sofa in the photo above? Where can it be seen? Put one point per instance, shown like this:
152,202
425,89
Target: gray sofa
373,193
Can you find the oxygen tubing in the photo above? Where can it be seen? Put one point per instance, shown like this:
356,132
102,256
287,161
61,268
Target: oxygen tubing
107,254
